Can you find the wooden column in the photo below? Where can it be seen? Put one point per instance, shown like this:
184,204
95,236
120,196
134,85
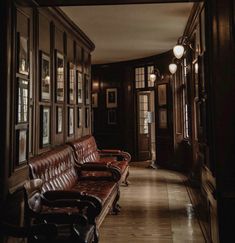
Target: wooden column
222,27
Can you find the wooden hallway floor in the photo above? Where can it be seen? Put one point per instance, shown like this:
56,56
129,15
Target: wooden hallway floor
155,208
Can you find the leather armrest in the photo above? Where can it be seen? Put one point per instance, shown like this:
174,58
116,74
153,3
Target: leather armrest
110,151
115,173
71,199
122,155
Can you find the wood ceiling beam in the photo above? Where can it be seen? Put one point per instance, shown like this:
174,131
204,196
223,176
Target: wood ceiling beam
52,3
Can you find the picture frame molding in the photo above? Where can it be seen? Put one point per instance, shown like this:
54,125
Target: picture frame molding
59,98
45,56
111,98
45,140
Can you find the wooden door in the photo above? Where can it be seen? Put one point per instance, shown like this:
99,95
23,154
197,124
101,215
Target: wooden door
143,126
164,124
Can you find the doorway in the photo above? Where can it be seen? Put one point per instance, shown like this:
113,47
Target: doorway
146,126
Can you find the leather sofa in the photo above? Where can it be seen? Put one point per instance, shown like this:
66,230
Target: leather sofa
86,152
61,179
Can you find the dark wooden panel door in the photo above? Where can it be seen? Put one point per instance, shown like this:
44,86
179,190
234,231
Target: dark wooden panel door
164,125
143,126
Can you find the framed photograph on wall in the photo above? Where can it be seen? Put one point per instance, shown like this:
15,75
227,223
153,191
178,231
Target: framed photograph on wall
23,100
70,121
111,98
79,117
59,77
71,83
112,117
162,98
162,118
94,100
22,54
45,126
59,119
87,116
22,146
79,87
87,90
45,77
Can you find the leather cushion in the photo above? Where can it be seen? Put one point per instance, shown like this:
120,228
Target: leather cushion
101,189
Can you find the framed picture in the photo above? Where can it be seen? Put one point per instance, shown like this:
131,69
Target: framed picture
162,118
162,94
70,121
23,100
79,87
59,77
94,100
112,117
45,126
23,54
59,119
79,117
22,146
71,83
111,98
45,77
87,118
87,90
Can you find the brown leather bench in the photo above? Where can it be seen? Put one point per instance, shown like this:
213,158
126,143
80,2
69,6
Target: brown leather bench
60,176
86,151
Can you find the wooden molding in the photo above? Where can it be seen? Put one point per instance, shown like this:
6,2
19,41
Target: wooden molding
46,3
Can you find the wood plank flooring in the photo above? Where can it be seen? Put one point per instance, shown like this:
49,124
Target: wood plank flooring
155,208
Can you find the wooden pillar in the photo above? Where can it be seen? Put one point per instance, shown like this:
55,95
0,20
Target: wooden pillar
222,83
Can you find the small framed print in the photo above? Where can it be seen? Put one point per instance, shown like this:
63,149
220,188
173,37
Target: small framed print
162,118
70,121
23,54
23,100
45,77
59,77
87,117
45,126
87,90
79,87
79,117
59,119
111,98
94,100
162,100
22,146
112,117
71,83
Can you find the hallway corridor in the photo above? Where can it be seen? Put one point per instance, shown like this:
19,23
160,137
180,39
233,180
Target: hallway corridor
155,208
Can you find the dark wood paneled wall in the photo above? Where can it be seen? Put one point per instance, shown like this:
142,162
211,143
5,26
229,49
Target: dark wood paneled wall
124,133
43,31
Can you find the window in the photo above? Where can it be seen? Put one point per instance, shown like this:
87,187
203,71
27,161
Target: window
143,111
139,77
185,101
149,71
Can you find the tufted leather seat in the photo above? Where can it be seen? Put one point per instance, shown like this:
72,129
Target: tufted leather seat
57,170
86,151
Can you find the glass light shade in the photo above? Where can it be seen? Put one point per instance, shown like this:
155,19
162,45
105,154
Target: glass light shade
152,77
172,68
178,51
196,67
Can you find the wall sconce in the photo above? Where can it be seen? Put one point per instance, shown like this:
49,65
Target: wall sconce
179,49
154,75
172,68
